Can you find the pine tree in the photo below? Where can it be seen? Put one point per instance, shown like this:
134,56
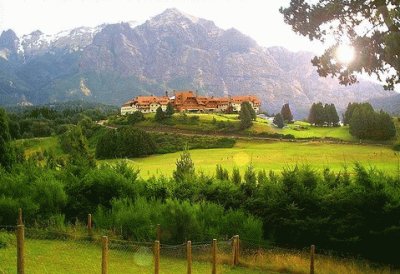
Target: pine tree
236,177
312,115
327,115
245,115
286,113
334,116
221,173
170,110
185,171
7,152
278,121
160,115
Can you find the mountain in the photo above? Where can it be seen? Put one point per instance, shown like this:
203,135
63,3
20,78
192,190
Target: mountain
115,62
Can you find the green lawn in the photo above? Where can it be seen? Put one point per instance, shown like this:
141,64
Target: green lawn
70,257
275,155
304,130
74,257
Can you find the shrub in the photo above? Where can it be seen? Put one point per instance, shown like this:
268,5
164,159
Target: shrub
7,239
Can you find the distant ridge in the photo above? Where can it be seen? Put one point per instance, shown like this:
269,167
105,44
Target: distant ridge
112,63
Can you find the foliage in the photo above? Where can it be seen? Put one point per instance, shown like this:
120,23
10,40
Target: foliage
286,113
180,220
97,188
365,123
321,115
7,153
6,239
125,142
236,178
160,115
278,120
170,110
246,115
221,173
185,171
170,142
135,117
376,47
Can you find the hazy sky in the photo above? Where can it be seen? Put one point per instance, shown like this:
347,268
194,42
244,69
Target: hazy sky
259,19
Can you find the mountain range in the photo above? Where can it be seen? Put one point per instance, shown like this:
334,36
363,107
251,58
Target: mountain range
115,62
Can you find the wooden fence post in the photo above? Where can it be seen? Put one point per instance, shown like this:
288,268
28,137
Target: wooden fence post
214,256
156,257
312,252
234,250
158,232
20,222
189,256
20,249
89,224
237,254
104,255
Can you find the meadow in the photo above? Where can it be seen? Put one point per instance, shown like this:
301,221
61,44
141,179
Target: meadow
268,155
275,156
75,257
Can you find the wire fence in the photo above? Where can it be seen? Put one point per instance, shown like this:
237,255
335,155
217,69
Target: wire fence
81,249
40,250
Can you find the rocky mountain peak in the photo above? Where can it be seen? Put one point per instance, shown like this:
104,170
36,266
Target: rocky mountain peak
9,40
172,50
173,15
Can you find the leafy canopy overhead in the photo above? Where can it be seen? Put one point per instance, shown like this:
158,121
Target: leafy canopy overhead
370,26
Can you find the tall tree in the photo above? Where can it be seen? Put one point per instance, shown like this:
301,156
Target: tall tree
245,115
376,46
7,153
170,110
185,171
317,114
236,177
312,115
365,123
286,113
160,115
278,121
334,117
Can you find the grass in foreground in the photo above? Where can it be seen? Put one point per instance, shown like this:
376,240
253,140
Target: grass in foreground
56,256
53,256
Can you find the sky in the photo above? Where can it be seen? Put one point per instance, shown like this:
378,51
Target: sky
259,19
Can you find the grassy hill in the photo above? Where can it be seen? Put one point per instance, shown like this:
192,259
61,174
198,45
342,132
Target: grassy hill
229,123
268,155
275,156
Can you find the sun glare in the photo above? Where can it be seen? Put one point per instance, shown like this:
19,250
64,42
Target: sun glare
345,54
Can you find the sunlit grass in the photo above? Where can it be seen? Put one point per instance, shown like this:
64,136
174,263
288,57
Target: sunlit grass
275,156
57,256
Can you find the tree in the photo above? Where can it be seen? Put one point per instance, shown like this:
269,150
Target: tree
245,115
312,115
135,117
185,170
236,177
160,115
286,113
317,114
371,27
278,121
7,153
221,173
170,110
333,115
365,123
